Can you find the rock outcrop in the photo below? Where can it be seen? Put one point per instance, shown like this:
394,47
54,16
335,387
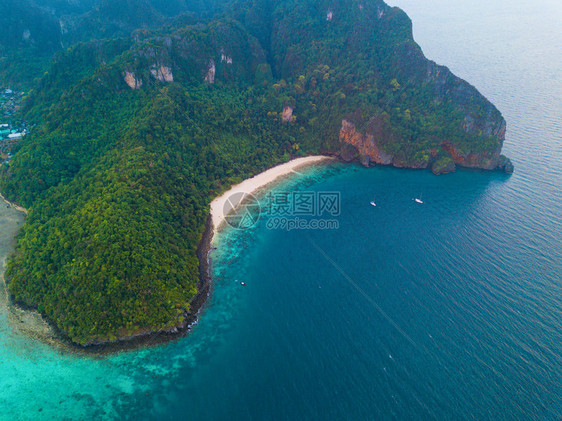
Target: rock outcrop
505,165
287,114
162,73
374,146
443,165
226,58
486,160
211,71
368,148
132,81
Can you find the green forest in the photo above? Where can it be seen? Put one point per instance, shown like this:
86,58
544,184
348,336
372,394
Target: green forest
140,122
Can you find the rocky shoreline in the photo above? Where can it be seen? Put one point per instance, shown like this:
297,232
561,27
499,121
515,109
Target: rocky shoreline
370,148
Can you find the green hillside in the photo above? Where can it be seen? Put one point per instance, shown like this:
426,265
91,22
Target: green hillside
135,135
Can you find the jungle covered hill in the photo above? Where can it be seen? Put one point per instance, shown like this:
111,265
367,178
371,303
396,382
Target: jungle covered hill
145,118
32,31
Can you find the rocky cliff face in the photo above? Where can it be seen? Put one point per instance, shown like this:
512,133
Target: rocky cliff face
162,73
221,51
487,160
364,145
211,72
374,147
287,114
412,112
131,80
481,121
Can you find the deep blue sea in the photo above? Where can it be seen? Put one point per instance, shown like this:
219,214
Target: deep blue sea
447,310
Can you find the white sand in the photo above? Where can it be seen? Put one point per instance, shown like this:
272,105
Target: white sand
16,207
251,185
21,321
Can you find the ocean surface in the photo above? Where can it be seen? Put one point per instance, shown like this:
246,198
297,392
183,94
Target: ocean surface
447,310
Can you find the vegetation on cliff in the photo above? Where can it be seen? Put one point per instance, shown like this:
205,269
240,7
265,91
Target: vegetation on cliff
135,135
28,38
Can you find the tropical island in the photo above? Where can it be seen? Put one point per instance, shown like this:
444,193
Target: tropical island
144,111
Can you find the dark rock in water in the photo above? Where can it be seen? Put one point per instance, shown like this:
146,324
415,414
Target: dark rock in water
505,165
443,165
365,160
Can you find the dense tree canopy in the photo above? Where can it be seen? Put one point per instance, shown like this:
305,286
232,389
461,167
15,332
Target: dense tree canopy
136,134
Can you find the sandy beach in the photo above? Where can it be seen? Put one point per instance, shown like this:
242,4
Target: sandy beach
32,324
251,185
27,322
16,207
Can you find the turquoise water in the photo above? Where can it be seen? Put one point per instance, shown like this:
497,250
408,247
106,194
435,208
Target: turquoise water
452,309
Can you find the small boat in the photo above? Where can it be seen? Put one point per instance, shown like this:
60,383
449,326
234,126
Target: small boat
373,203
243,284
418,200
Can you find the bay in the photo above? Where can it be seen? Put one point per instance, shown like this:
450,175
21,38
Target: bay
450,309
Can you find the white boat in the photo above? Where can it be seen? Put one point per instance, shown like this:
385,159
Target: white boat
373,203
418,200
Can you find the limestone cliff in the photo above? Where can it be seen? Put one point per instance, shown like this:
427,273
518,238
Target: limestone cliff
368,148
374,146
211,72
162,73
287,114
131,80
